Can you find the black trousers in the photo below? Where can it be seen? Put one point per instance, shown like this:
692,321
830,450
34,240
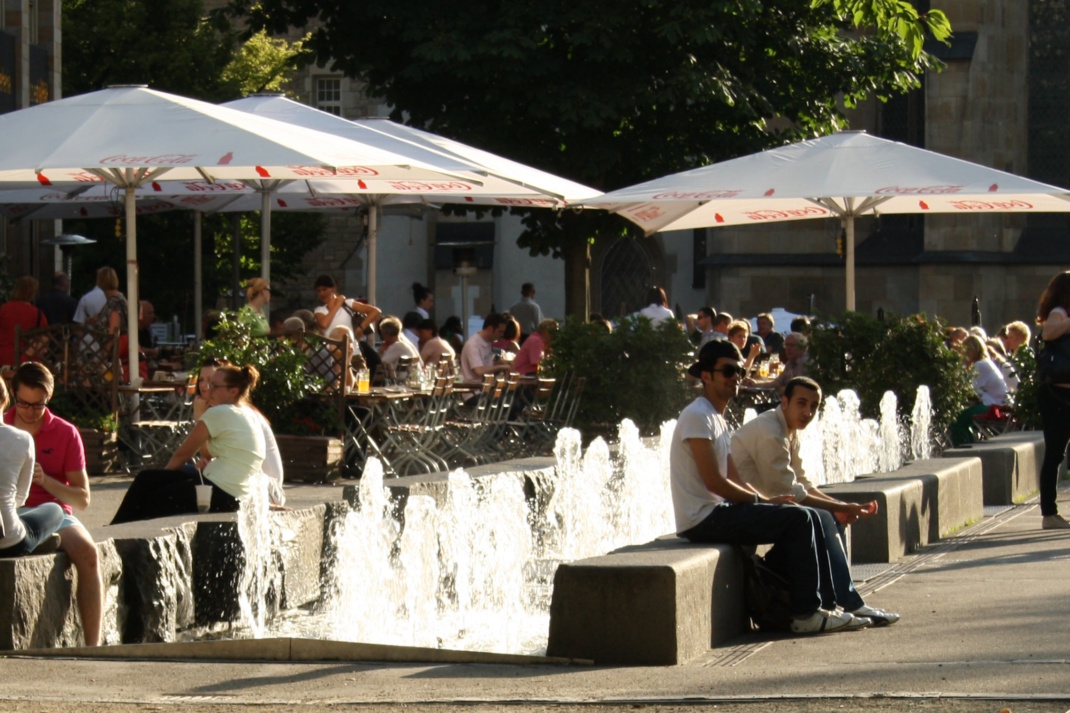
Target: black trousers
1053,402
161,493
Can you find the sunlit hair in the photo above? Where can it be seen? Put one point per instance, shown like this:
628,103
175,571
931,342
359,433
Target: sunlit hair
975,349
243,378
255,286
107,279
390,326
739,326
1021,329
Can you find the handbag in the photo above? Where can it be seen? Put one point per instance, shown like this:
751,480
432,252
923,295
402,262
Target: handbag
1053,361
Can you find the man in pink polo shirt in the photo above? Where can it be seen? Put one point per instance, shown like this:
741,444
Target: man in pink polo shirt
532,350
59,476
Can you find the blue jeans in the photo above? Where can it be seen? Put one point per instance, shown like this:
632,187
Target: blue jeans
807,550
40,522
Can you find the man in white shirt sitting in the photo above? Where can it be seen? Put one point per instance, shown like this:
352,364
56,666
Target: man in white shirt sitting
477,356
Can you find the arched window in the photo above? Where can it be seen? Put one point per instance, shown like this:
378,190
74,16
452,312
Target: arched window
626,275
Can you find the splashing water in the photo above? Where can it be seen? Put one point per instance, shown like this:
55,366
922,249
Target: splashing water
921,424
472,568
889,437
259,577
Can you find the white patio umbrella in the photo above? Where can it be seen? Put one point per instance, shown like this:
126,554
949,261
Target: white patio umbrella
843,175
479,177
130,136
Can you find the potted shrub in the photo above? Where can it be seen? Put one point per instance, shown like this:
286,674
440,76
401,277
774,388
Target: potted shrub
636,372
99,430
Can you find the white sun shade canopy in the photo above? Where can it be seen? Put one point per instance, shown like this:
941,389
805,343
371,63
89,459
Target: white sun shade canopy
98,135
477,176
845,174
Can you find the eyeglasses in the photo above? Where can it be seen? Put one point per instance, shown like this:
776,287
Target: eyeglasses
729,370
212,385
39,406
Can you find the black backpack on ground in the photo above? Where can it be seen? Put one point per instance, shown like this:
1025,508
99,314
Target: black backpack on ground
767,599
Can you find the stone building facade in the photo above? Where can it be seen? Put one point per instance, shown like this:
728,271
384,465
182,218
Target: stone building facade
1002,101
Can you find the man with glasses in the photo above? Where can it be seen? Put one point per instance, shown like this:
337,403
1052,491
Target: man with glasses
765,451
59,476
794,360
712,506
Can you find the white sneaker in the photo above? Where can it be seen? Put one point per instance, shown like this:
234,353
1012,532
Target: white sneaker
880,617
823,621
1054,522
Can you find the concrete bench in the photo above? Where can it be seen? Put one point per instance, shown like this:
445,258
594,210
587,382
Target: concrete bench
161,577
918,504
661,603
1010,465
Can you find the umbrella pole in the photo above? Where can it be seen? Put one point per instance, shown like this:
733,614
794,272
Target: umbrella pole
373,249
131,280
198,277
849,226
265,236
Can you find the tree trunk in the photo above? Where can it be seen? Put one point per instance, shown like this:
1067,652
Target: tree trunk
578,279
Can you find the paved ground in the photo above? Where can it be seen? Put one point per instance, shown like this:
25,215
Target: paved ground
986,627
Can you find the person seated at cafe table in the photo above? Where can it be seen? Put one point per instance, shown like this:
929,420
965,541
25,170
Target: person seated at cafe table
394,346
534,348
477,357
794,364
433,347
235,441
738,332
773,341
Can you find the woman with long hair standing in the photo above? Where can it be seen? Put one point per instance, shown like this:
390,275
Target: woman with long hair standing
233,437
1053,400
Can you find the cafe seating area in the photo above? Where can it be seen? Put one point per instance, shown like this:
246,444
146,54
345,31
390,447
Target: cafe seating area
414,419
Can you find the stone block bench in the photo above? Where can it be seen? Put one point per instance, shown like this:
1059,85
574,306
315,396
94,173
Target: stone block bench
661,603
918,504
1010,465
161,578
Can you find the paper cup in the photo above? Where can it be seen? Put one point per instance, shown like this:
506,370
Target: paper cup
204,497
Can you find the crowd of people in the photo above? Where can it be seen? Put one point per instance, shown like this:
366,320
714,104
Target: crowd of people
748,487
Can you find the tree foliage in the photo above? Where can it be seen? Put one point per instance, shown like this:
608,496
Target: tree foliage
613,92
898,354
176,47
635,372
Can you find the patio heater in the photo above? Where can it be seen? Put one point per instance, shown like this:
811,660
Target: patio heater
65,242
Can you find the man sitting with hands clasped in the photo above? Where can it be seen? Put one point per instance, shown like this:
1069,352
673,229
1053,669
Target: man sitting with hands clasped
711,505
765,451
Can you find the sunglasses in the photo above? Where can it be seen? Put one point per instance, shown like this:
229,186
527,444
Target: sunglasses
729,370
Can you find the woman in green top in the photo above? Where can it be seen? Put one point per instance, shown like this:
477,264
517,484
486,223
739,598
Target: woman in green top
233,437
254,312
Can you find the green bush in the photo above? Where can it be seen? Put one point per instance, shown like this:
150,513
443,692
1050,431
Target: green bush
635,372
285,388
898,353
1024,398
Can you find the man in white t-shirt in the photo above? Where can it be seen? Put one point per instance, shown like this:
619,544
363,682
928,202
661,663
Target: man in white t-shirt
711,505
92,302
337,311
